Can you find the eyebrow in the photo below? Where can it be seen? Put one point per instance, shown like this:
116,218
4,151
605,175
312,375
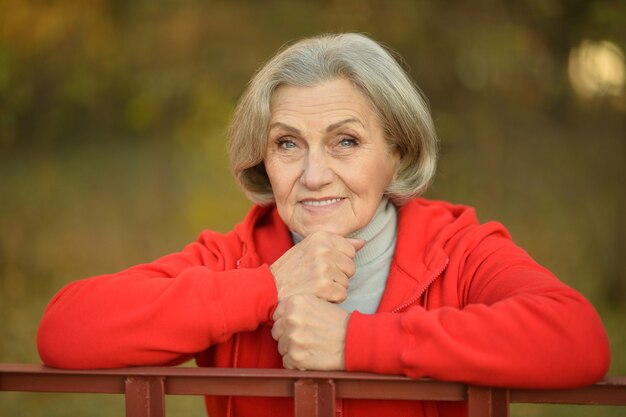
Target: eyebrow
330,128
284,126
343,122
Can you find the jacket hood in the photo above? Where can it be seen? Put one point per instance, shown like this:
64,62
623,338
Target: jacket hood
426,231
426,226
262,224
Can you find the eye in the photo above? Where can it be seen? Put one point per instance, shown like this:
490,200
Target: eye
285,143
348,142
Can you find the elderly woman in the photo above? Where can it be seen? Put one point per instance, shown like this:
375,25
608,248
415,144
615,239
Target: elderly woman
339,265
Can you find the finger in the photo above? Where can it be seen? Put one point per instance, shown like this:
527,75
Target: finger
347,246
344,264
277,330
287,362
338,294
279,311
283,345
356,243
341,280
340,243
294,361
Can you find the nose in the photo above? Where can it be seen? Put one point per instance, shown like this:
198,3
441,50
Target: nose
316,173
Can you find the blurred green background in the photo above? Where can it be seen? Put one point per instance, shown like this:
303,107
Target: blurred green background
112,139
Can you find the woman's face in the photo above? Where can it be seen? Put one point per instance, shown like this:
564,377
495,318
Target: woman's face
327,158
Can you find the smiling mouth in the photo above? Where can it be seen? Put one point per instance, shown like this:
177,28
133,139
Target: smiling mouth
321,203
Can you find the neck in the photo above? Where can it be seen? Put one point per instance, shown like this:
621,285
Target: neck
379,234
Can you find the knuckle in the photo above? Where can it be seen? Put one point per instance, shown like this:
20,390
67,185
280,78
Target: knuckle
275,333
340,295
342,281
296,300
298,356
317,236
287,362
350,269
321,253
323,282
291,321
293,342
282,348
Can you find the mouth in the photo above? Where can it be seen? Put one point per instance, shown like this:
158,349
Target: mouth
321,202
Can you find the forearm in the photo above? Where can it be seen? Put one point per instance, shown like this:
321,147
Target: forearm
552,340
132,319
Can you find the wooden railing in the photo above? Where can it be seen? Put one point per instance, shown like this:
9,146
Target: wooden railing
314,392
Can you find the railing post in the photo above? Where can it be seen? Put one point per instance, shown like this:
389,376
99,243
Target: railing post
145,396
314,398
487,402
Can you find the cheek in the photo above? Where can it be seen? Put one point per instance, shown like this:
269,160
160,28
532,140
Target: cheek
280,180
270,170
379,175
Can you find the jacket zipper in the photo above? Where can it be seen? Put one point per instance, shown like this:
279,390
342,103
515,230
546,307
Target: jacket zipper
339,402
423,290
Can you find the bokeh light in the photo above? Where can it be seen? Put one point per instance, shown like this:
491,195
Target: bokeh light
597,69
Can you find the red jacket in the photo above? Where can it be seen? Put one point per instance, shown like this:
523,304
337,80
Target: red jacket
462,303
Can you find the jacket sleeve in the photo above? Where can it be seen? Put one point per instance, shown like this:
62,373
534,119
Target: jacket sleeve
517,326
160,313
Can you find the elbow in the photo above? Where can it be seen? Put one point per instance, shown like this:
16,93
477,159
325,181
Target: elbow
74,344
598,351
597,359
592,351
592,367
578,355
65,346
48,346
61,336
53,347
73,335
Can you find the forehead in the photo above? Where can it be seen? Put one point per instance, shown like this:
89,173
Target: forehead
335,97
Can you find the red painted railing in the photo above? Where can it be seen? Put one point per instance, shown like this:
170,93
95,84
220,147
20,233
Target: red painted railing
314,392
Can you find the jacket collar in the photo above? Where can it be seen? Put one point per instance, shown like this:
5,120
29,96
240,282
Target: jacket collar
264,235
425,229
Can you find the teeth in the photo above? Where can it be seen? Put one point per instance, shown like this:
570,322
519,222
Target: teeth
321,202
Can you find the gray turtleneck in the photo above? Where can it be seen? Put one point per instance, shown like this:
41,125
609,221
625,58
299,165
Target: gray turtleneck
372,261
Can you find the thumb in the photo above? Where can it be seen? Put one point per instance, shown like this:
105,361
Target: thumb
357,243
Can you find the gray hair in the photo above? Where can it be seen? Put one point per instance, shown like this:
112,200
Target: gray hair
402,110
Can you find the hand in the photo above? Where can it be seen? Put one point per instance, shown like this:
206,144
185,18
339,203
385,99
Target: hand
320,265
311,333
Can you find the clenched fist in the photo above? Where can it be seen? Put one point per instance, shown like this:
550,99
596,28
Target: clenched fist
311,333
320,265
